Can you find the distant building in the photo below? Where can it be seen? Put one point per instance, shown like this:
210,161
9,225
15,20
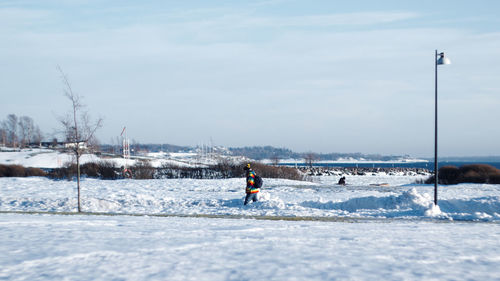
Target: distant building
47,144
58,144
81,145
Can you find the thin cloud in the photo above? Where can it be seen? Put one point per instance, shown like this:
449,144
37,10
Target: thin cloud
364,18
230,19
17,17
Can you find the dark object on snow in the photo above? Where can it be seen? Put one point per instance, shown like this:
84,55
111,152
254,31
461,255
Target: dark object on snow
258,182
342,181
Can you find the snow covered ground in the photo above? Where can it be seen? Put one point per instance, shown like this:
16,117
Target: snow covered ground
50,158
320,198
320,231
46,247
41,158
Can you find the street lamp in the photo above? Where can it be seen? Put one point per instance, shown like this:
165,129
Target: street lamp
439,59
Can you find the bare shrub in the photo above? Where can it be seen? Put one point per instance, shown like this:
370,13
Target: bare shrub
68,171
494,179
107,170
143,170
225,167
449,175
101,170
482,169
35,172
3,170
20,171
472,177
90,169
267,171
171,171
479,173
16,171
475,173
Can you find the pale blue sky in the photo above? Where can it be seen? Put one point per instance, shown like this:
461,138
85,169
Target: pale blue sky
322,76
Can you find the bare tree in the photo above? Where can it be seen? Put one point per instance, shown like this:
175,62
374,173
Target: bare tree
22,132
310,158
78,130
3,133
135,147
30,129
26,129
12,129
38,136
275,160
54,142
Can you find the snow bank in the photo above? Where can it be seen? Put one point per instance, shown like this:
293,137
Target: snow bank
41,158
82,247
278,198
44,247
49,158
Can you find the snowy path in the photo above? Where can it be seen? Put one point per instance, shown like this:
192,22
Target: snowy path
53,247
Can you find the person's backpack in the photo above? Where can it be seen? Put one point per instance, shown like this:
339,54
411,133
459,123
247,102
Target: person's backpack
258,182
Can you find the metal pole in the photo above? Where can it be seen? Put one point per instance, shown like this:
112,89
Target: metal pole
436,131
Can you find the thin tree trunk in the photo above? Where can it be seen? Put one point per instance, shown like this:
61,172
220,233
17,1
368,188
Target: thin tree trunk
78,180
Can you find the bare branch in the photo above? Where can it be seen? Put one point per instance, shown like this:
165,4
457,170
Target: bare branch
77,127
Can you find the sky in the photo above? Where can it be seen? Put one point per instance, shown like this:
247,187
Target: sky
312,76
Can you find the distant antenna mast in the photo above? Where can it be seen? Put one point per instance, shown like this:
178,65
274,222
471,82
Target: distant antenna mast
211,153
126,152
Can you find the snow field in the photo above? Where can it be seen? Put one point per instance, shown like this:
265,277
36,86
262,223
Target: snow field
55,247
410,239
48,158
322,198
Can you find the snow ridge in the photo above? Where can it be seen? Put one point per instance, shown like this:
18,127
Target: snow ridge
225,197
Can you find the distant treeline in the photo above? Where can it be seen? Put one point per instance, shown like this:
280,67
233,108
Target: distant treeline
481,159
269,152
251,152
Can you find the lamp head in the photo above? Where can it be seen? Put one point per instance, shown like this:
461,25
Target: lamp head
442,59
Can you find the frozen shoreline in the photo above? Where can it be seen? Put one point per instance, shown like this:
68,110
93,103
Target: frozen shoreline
361,171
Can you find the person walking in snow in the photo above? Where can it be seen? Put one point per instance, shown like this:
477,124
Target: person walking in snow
342,181
251,189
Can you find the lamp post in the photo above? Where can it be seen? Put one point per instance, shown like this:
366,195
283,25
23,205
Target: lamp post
439,59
